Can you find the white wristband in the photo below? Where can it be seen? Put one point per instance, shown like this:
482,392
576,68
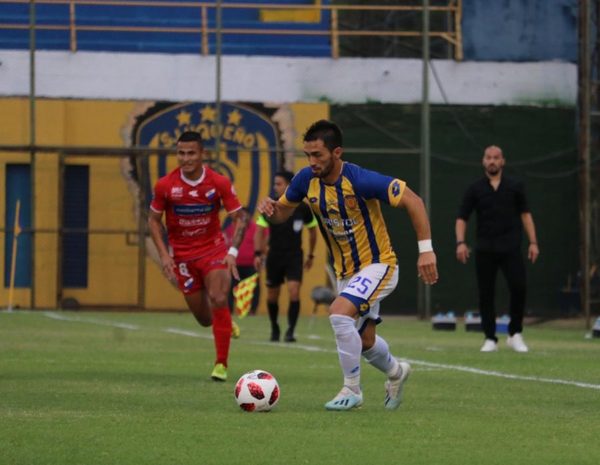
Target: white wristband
233,252
425,246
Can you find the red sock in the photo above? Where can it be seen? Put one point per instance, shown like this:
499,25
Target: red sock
221,328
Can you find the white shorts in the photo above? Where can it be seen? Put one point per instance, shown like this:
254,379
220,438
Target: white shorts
367,288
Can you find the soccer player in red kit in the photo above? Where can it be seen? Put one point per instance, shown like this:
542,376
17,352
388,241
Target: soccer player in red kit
197,257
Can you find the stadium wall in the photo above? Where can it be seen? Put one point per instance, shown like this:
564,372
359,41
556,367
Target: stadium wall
539,144
112,258
89,98
129,76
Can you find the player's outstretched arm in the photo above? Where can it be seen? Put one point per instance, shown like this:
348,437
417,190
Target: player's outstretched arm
427,262
274,211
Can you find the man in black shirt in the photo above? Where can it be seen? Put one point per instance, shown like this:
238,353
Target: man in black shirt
502,214
285,258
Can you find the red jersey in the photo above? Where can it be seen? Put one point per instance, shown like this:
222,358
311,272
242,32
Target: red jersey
192,211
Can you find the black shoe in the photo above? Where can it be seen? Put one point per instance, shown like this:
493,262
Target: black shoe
289,336
275,334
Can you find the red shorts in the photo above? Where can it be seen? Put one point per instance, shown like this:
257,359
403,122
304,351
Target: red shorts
191,274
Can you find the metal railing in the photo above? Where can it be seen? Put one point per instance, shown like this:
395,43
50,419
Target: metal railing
336,31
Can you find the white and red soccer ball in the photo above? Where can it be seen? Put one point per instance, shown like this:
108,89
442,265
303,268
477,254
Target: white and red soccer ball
257,391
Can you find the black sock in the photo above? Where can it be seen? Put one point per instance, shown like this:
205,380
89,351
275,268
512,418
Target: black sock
273,308
293,313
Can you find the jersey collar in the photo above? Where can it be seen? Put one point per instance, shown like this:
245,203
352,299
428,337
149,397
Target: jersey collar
193,182
339,178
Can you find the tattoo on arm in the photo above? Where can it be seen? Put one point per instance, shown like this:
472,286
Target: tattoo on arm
242,219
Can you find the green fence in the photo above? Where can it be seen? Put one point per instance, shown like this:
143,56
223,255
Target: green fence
540,147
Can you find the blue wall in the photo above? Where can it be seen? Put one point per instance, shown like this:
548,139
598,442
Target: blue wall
75,216
161,17
493,30
520,30
18,187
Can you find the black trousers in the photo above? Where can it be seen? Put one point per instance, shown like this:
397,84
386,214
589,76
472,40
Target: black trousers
513,268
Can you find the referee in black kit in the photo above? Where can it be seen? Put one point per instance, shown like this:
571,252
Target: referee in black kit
502,214
285,261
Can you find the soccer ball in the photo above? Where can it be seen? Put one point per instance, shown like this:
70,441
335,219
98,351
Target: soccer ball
257,391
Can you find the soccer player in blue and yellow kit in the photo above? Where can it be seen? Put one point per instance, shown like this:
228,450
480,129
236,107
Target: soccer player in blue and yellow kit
346,200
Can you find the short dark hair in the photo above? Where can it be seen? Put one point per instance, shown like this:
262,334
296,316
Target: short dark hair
191,136
327,131
287,175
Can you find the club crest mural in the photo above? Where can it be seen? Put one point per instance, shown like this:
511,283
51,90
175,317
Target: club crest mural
249,149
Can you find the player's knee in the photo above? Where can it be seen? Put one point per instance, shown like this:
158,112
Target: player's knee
219,300
294,290
272,294
342,306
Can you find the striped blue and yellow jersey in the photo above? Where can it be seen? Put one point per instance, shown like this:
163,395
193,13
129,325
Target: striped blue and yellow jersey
349,214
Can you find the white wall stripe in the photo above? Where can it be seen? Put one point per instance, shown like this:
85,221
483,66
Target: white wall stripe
98,75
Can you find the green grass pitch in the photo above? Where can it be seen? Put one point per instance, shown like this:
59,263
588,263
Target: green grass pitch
133,388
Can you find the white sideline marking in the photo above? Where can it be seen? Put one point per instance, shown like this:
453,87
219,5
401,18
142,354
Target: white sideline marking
477,371
183,332
56,316
499,374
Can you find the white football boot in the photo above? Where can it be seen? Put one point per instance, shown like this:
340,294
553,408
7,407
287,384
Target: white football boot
516,343
393,387
346,399
489,346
